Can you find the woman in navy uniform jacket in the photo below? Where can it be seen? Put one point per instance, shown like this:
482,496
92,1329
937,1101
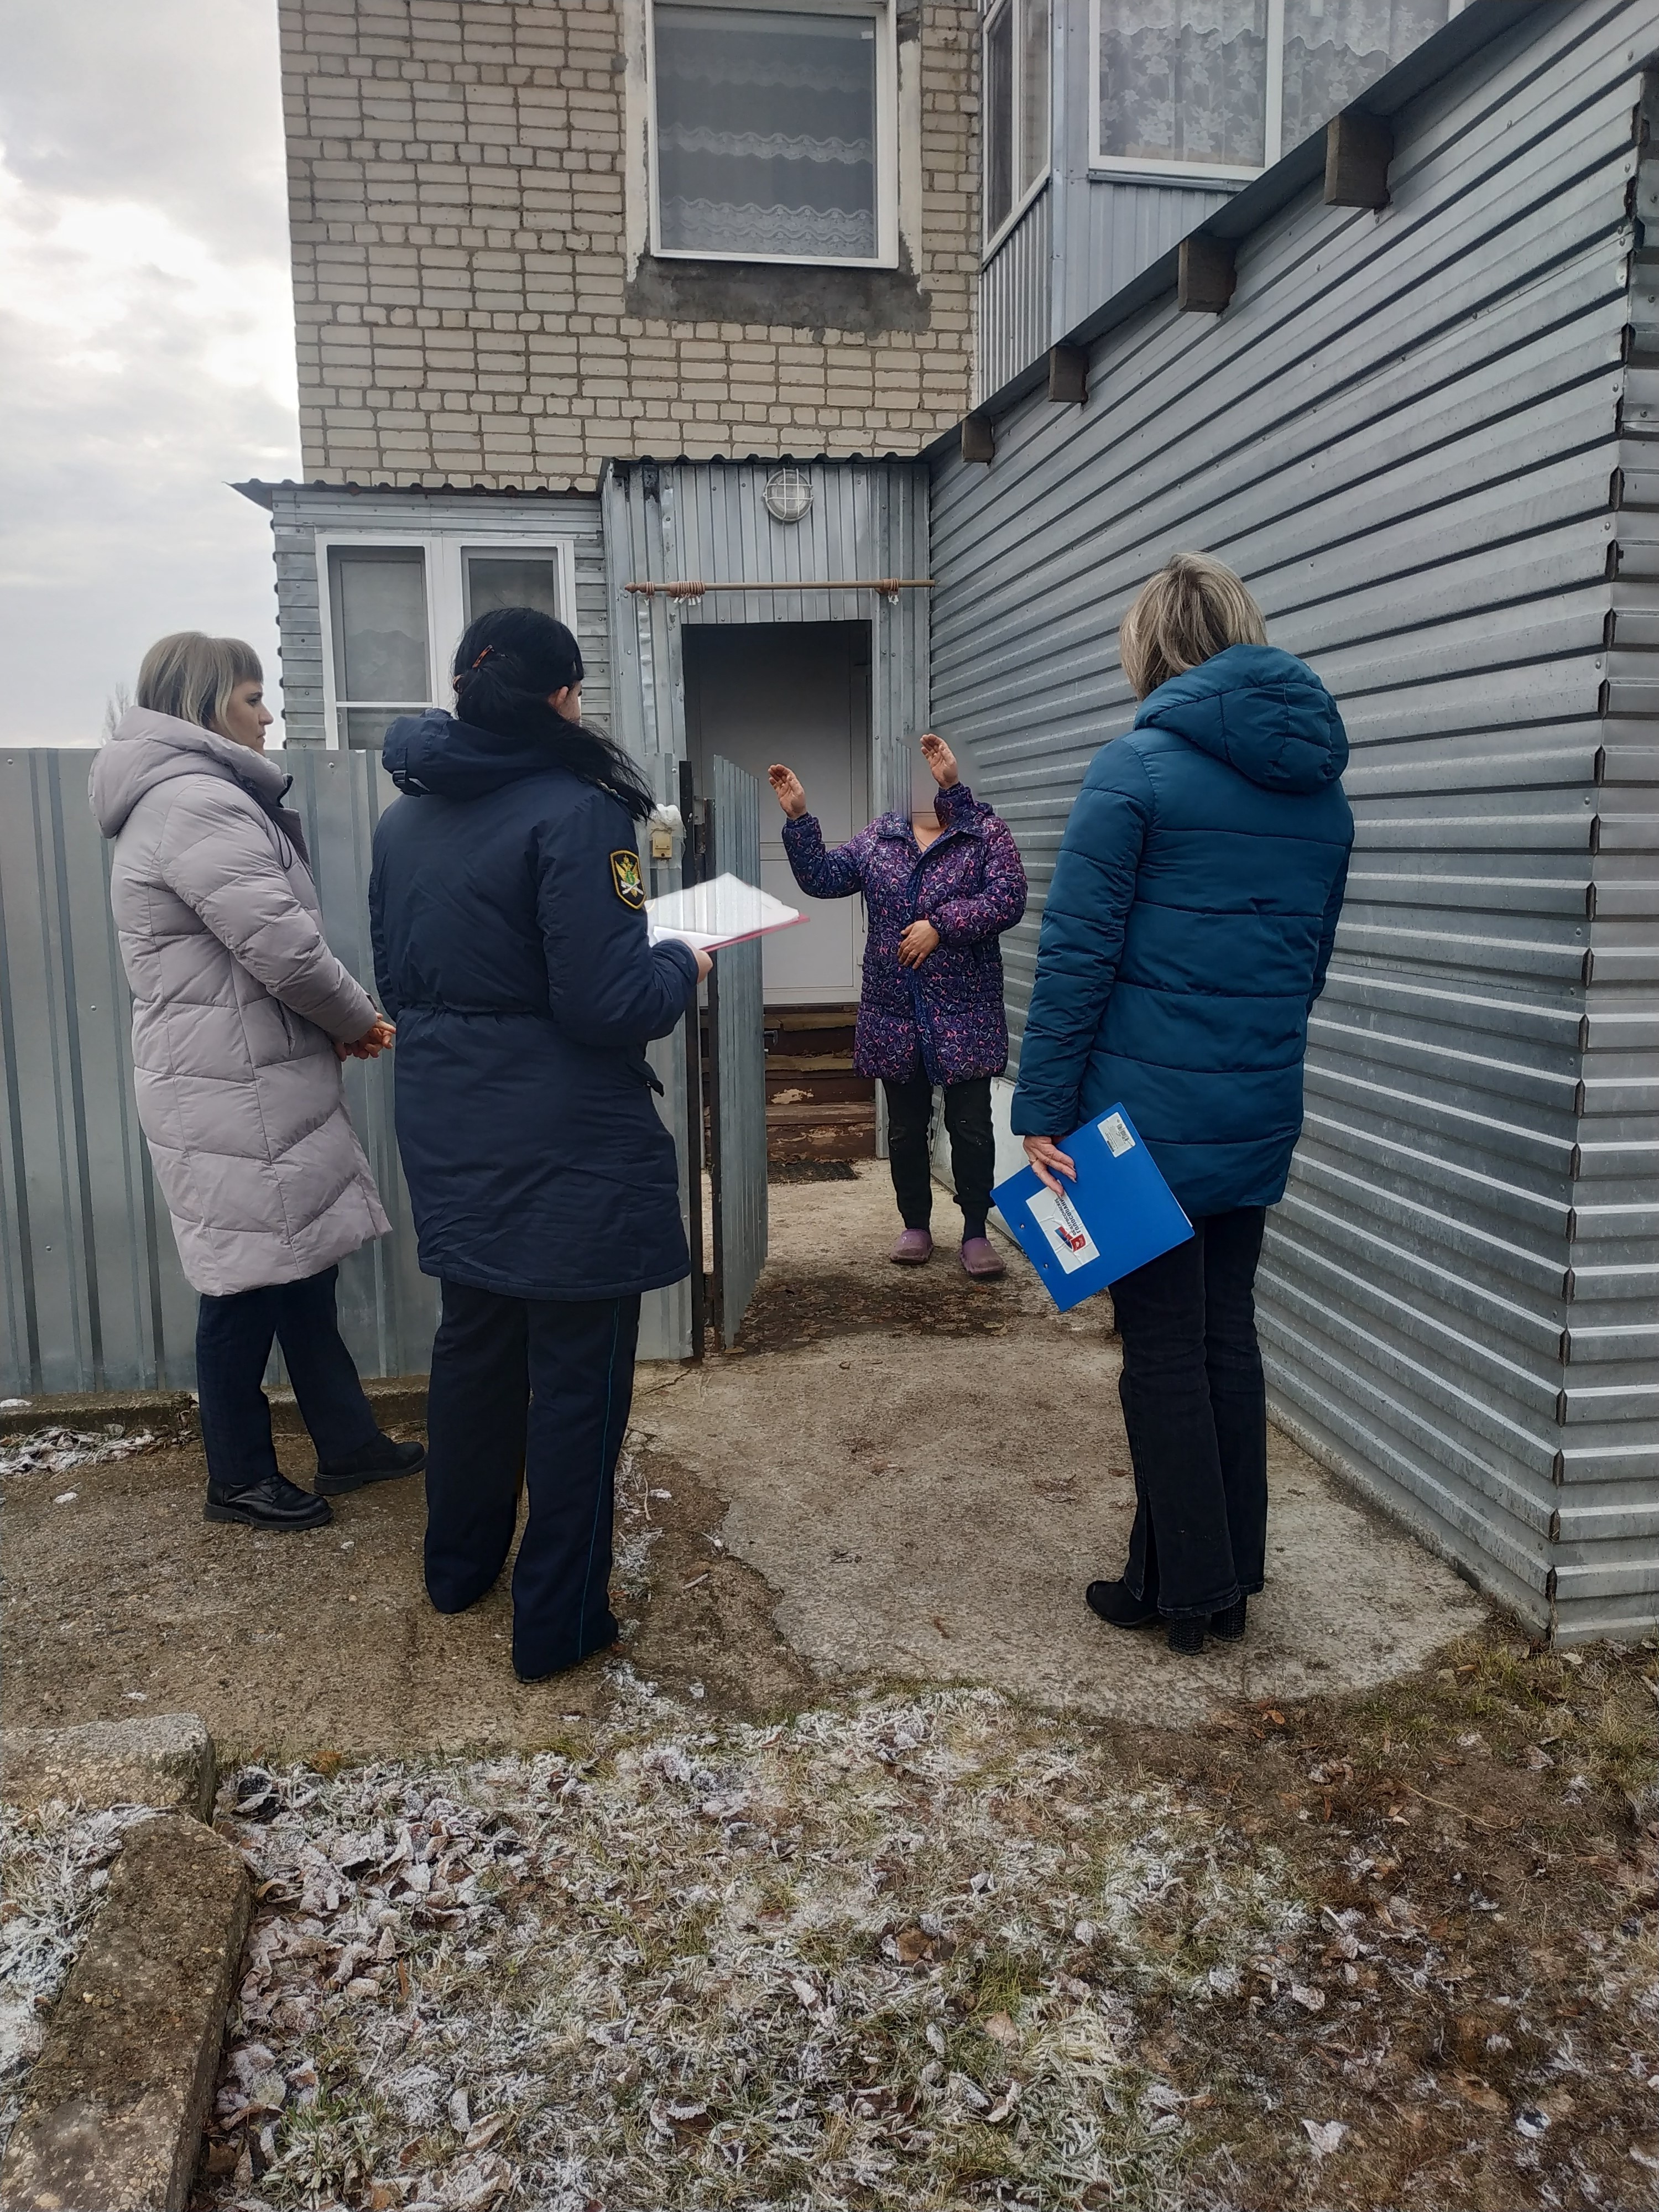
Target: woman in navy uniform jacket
1184,941
510,938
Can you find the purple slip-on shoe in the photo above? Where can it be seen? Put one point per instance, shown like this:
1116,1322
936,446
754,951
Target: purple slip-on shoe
981,1260
913,1247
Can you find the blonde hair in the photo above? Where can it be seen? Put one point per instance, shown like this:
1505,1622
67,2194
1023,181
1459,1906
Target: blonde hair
192,677
1193,608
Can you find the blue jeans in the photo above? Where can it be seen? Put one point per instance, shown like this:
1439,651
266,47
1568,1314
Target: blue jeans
234,1337
1195,1405
537,1389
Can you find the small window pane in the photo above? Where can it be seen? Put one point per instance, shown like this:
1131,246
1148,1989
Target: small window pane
512,579
766,133
378,596
999,119
1034,93
365,727
1335,48
1184,81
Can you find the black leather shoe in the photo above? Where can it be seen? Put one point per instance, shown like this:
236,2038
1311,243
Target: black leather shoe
1228,1626
1114,1603
379,1461
276,1503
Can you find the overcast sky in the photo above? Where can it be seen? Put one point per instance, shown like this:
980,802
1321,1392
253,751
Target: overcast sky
146,341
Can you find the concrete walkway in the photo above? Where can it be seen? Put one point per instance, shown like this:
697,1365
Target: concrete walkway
901,1476
928,1472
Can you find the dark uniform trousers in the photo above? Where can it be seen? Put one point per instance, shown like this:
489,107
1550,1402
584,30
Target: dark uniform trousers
542,1386
1195,1405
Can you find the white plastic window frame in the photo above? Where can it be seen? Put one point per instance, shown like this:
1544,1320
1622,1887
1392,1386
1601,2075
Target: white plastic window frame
1123,169
883,14
445,602
1039,185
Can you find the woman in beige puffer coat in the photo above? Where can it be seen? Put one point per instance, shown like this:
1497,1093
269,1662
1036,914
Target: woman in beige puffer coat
241,1017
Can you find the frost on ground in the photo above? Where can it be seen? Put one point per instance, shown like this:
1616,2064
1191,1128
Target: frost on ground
58,1451
886,1958
54,1865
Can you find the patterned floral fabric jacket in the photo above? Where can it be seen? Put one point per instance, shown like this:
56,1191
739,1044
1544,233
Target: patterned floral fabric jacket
946,1016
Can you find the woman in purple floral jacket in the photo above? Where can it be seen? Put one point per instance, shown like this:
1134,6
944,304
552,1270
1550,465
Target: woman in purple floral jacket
939,887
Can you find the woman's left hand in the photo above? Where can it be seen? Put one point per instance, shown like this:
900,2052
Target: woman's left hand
373,1043
940,758
917,942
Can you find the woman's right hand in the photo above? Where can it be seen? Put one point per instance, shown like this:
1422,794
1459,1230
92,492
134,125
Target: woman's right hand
787,784
1050,1163
704,960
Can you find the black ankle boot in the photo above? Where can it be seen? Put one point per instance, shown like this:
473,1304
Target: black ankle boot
276,1503
1113,1602
381,1460
1228,1626
1186,1637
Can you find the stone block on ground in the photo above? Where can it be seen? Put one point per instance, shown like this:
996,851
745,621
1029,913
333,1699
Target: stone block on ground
120,2094
163,1759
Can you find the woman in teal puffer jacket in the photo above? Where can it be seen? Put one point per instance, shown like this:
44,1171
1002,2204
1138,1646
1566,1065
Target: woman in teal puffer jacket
1184,941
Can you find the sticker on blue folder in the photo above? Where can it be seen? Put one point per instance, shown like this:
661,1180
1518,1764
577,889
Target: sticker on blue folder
1119,1214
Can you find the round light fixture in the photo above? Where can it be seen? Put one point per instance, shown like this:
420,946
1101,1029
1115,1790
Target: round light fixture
788,495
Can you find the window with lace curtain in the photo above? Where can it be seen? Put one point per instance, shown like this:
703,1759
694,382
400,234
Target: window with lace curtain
1214,90
772,132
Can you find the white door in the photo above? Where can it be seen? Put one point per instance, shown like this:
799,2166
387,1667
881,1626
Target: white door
795,692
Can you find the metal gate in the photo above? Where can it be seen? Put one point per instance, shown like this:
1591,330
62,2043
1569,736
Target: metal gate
724,1068
737,1061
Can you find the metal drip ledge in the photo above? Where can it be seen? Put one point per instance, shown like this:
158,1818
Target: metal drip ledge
888,587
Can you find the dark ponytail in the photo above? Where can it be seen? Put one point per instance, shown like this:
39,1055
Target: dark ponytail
507,666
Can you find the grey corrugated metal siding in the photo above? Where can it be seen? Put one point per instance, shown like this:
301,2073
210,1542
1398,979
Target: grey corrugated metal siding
1014,313
299,511
739,1055
674,522
94,1295
1403,433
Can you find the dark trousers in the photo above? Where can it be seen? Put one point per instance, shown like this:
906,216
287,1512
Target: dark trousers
541,1387
234,1337
1195,1406
973,1148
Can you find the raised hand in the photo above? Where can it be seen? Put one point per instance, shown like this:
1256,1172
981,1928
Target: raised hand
940,758
787,784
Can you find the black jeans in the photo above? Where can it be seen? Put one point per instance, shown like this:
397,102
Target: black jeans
234,1337
973,1148
1195,1406
540,1387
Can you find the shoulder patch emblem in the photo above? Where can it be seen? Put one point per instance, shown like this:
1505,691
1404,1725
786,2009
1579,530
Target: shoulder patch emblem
625,877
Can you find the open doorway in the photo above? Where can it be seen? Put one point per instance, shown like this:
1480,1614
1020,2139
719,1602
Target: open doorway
798,692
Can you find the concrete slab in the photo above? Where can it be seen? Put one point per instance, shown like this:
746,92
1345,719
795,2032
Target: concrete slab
120,2094
931,1504
163,1759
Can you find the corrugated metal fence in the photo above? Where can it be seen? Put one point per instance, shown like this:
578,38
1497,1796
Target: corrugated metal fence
1403,431
94,1297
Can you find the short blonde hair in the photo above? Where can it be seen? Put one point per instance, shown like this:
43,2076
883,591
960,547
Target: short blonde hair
1193,609
192,677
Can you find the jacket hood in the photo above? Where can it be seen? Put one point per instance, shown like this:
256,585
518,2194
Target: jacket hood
148,748
433,754
1263,712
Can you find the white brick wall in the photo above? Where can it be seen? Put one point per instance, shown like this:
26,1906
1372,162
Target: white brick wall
460,214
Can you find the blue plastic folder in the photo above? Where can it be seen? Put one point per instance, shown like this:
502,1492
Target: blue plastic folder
1119,1214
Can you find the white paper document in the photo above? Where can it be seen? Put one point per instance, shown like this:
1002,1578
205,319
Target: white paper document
725,911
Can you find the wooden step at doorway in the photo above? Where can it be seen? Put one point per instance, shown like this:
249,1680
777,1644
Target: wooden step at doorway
817,1107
